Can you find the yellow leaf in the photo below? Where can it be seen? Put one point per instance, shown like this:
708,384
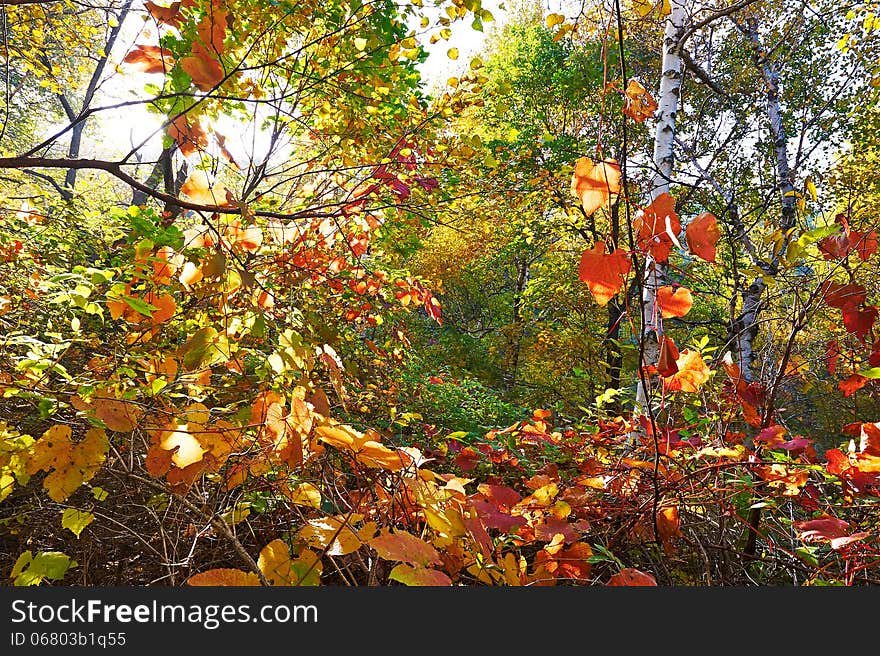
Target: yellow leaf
554,19
72,464
274,563
452,53
305,494
334,534
810,187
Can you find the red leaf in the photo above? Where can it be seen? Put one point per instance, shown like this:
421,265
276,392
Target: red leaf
632,577
149,59
832,355
702,235
865,243
595,182
657,227
869,440
852,384
772,436
674,301
842,296
859,322
667,362
827,529
604,274
493,517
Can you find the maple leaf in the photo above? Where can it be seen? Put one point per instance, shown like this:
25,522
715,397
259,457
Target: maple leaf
692,373
657,227
149,59
595,183
638,103
604,274
702,236
205,71
632,577
674,301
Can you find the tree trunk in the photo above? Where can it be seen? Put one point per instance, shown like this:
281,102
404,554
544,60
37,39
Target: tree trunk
664,160
79,126
746,328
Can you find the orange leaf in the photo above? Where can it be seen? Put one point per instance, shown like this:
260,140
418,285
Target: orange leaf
168,15
188,135
657,227
149,59
639,104
224,576
198,187
852,384
165,304
674,301
702,235
604,274
692,373
204,70
631,577
405,547
117,415
212,30
595,182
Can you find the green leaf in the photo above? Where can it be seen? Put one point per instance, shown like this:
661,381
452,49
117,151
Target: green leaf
99,493
139,305
873,373
30,570
76,520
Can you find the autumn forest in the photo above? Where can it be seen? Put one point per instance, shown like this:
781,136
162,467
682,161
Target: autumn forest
439,293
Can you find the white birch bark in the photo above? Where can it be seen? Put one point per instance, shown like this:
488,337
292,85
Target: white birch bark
747,323
664,160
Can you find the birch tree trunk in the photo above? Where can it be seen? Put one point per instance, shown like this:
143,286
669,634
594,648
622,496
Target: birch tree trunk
746,327
664,160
